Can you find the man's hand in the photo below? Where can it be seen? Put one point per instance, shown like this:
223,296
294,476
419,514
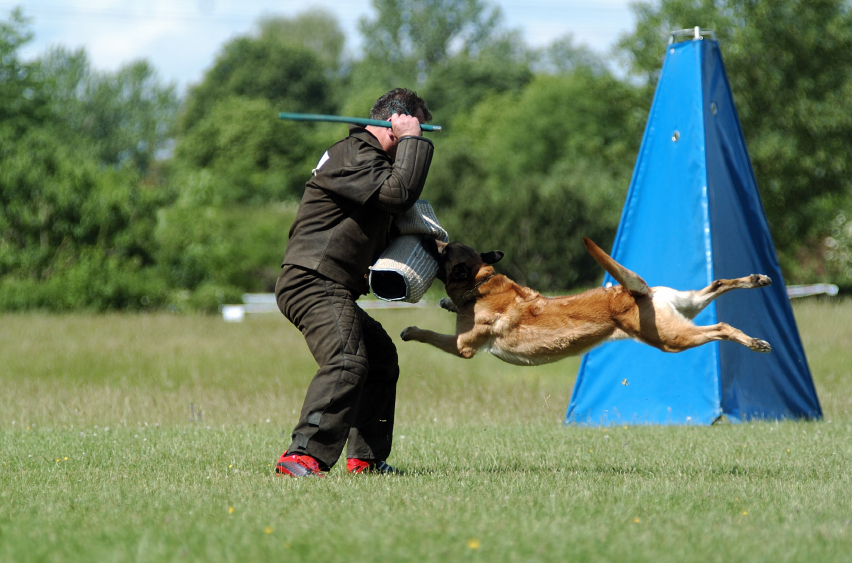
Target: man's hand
401,126
404,125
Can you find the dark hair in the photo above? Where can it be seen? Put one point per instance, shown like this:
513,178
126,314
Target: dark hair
396,101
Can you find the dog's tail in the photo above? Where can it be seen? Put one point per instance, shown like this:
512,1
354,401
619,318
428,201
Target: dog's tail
630,280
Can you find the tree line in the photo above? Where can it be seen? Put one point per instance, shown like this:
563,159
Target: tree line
119,193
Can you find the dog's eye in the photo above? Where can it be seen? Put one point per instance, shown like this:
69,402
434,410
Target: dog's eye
460,272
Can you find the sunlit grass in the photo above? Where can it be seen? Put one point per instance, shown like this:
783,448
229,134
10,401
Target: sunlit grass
152,438
122,370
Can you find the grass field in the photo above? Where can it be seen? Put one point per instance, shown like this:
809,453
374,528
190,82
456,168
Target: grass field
152,438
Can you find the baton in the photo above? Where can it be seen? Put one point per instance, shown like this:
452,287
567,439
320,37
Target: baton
353,120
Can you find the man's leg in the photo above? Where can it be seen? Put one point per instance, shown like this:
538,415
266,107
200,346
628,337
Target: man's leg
326,313
371,434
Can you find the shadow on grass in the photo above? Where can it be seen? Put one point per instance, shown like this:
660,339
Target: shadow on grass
737,470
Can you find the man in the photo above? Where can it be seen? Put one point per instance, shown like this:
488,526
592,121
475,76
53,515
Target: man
341,228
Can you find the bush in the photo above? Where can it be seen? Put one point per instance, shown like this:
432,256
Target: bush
238,246
95,281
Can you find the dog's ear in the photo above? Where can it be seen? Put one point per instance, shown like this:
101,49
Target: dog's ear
492,257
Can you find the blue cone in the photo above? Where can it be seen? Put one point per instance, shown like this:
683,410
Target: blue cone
692,215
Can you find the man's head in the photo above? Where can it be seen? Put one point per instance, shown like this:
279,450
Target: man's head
406,110
399,100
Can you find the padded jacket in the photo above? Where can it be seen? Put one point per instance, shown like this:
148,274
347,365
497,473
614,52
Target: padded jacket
343,222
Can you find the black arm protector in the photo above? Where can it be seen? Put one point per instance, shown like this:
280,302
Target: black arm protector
405,183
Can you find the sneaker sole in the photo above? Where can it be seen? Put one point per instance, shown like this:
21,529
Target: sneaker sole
294,470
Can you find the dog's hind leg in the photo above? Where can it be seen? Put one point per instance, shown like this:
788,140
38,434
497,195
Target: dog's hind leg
690,303
692,336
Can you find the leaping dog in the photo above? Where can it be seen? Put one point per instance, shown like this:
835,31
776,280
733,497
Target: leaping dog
522,327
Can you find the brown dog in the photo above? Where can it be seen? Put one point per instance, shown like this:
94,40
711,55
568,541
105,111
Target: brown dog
522,327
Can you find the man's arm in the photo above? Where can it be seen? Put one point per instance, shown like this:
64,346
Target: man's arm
405,183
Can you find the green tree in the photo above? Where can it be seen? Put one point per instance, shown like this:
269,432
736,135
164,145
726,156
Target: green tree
454,52
790,67
564,55
62,217
315,30
22,103
230,127
458,83
410,37
531,172
275,64
127,117
250,156
236,163
73,232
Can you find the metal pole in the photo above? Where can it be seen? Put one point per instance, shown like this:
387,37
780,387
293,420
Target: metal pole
353,120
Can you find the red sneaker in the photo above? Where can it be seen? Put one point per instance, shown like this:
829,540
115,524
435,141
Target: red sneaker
297,465
354,465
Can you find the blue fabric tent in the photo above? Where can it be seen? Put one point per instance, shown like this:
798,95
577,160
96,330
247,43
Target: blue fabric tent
693,214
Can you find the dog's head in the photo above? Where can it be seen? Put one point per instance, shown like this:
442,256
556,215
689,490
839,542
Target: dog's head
458,264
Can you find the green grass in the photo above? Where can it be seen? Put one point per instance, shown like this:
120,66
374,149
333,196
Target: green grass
151,438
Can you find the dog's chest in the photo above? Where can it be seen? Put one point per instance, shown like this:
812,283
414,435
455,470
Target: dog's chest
500,322
531,353
515,342
497,321
511,358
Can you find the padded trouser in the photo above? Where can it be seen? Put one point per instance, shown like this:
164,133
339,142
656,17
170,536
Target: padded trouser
353,394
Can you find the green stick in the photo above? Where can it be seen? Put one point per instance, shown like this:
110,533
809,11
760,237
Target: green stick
353,120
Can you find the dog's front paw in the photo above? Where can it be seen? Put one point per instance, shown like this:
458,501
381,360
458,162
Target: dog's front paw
760,345
408,333
447,303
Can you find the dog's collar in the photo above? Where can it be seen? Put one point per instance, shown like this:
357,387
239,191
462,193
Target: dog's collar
474,288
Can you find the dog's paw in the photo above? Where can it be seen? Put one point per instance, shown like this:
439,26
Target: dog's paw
447,303
408,333
760,345
759,280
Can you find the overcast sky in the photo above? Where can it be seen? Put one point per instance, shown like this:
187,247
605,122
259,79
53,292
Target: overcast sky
182,37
